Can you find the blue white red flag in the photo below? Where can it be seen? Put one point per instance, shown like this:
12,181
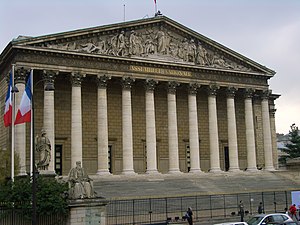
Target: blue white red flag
8,104
24,111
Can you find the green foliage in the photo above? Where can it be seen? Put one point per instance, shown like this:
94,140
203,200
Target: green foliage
293,147
50,195
5,167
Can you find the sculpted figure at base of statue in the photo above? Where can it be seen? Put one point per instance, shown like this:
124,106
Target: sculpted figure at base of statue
80,185
43,147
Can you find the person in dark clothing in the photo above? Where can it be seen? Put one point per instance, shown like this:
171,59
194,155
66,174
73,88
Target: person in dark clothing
260,208
241,210
189,216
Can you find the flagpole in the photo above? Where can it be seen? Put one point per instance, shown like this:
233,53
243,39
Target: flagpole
155,6
33,168
31,127
13,126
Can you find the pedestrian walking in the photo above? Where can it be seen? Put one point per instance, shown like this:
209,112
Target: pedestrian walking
293,212
189,215
241,210
260,208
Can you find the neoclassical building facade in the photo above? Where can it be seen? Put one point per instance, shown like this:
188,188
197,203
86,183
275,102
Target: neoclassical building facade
145,96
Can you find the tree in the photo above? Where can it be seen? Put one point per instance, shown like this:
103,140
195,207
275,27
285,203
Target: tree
5,167
293,146
51,195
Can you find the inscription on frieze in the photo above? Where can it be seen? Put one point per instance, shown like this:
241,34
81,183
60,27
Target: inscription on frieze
143,69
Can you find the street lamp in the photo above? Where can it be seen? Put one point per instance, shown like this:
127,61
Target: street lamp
47,87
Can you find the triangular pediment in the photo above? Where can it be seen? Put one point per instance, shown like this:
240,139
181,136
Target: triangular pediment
155,39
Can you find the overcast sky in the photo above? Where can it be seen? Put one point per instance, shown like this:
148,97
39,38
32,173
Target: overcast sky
266,31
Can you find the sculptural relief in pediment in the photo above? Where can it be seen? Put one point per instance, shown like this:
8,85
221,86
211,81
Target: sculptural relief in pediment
154,43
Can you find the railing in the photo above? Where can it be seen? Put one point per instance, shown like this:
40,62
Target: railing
172,209
19,216
169,209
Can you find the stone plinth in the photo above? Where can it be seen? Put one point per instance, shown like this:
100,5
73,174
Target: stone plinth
87,211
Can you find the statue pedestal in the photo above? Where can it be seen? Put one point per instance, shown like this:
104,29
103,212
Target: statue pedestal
87,211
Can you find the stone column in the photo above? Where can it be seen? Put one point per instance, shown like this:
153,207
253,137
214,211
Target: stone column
267,131
127,138
213,129
20,129
49,119
193,128
273,134
150,127
102,126
250,136
172,128
76,119
232,135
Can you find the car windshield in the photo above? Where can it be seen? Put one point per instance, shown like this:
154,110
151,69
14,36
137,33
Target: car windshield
255,220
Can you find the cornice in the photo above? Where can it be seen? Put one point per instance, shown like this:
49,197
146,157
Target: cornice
136,61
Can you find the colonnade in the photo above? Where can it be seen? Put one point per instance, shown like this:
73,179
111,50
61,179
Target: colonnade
127,137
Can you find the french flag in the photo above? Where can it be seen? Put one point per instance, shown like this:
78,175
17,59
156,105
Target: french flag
24,111
8,104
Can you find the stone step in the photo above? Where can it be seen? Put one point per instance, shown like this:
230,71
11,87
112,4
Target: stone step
164,185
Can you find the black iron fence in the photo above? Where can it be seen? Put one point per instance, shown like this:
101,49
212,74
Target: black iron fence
162,210
20,216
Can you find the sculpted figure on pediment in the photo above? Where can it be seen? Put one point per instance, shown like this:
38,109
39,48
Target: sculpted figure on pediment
113,45
121,44
219,62
149,46
201,56
101,46
132,43
192,51
135,44
161,41
89,47
182,49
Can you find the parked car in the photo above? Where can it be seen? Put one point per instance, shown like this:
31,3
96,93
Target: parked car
285,223
274,218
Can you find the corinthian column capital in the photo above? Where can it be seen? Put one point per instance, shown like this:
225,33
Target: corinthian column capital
102,81
76,79
127,82
172,85
150,85
193,88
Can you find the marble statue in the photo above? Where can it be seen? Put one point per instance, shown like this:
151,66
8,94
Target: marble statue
80,185
43,147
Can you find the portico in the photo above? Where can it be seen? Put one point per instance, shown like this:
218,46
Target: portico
146,112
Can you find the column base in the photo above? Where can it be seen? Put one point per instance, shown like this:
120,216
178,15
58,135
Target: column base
152,172
103,172
215,170
195,171
252,169
129,172
174,171
270,168
233,170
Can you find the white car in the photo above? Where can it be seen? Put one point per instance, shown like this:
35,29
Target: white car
263,219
